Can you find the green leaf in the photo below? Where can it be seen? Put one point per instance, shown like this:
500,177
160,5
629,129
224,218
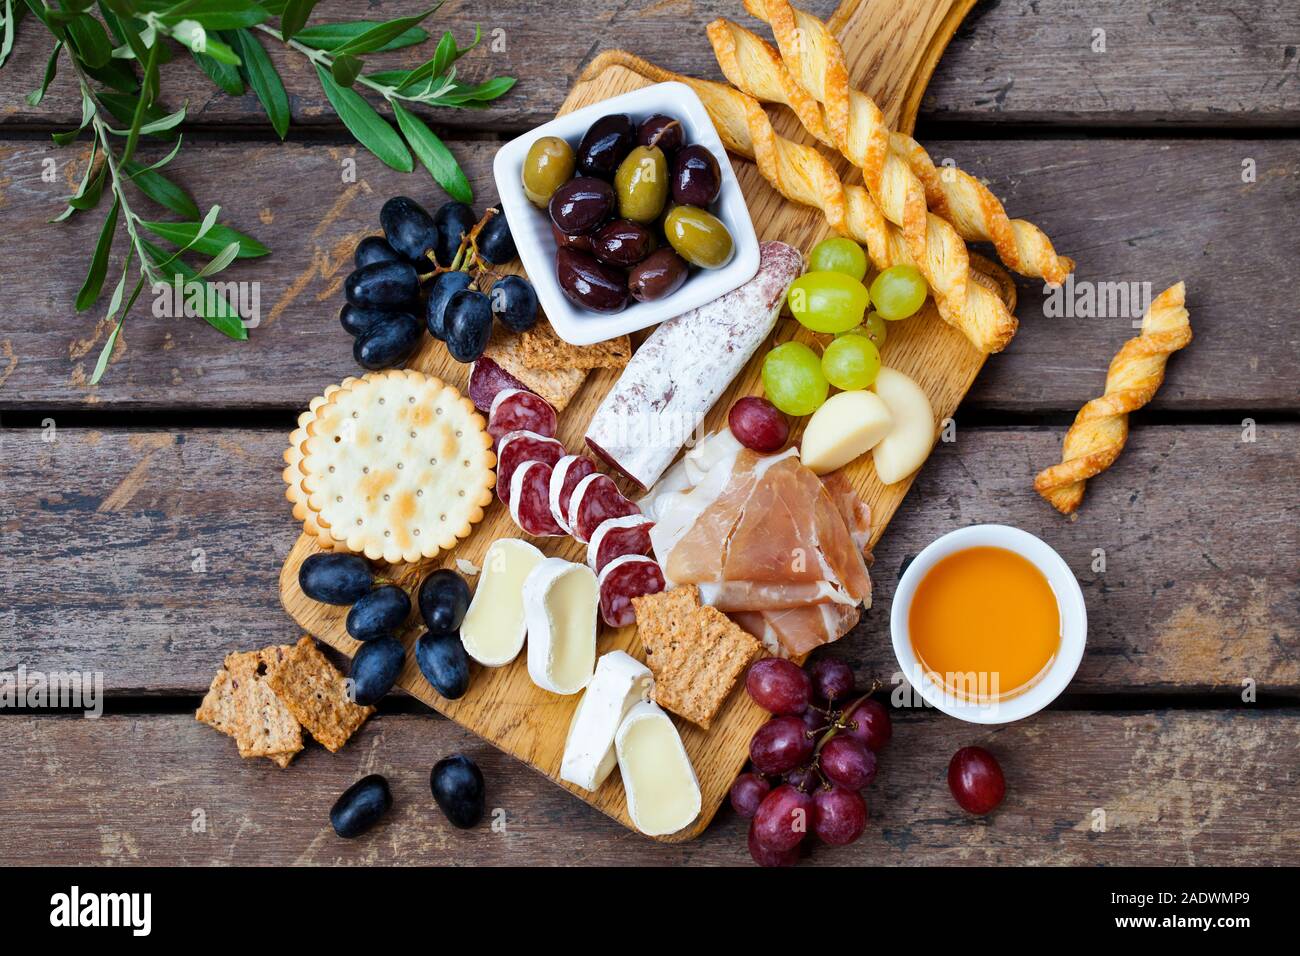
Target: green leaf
219,262
164,123
366,125
91,180
51,68
329,36
294,17
265,81
376,38
435,156
123,106
222,316
91,40
98,262
345,69
199,39
482,93
224,75
209,243
107,351
7,40
162,190
217,14
89,197
116,75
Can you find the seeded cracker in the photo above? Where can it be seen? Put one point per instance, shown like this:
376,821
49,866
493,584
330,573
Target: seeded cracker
542,349
241,705
397,466
696,652
316,694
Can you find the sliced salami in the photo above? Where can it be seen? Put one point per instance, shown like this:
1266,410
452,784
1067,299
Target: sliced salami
568,471
486,378
516,410
617,537
596,499
515,448
529,504
623,579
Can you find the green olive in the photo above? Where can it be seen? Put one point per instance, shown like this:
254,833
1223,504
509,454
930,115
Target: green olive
641,184
548,166
698,237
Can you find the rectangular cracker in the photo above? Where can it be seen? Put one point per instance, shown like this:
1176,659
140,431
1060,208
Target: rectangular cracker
241,705
696,652
557,386
316,694
540,348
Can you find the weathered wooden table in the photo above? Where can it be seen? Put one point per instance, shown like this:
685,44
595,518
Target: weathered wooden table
143,523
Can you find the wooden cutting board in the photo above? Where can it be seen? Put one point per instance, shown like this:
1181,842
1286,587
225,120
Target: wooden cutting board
892,49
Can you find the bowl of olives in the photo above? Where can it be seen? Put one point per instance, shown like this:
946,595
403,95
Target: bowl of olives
626,213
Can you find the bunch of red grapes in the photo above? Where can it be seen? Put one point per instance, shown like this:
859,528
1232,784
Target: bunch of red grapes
810,761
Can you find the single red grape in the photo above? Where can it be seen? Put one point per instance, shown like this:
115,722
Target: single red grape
846,761
815,721
976,780
748,792
832,678
767,857
870,723
779,686
780,745
757,424
783,818
805,778
839,815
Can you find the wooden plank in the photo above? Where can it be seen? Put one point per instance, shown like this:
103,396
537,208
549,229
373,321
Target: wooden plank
1176,788
1128,210
1209,62
1198,529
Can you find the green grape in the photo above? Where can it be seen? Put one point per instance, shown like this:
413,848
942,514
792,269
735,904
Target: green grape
898,292
828,301
838,255
793,379
851,362
873,327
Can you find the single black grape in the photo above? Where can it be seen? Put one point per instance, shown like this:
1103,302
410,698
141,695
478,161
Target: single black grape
383,285
443,662
374,249
441,289
361,806
356,320
408,227
452,221
443,600
514,302
494,242
379,613
375,668
458,789
468,318
388,342
335,578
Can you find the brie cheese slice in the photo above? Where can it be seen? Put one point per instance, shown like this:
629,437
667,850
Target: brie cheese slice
621,681
561,600
663,793
494,628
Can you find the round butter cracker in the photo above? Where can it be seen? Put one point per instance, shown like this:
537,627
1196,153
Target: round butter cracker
397,466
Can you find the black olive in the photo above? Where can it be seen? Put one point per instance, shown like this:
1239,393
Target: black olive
384,285
605,144
589,283
335,578
581,204
379,613
361,806
457,785
494,242
443,662
453,220
441,289
468,318
374,249
514,302
375,669
443,600
388,342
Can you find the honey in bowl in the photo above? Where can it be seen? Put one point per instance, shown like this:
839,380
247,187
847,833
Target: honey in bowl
985,624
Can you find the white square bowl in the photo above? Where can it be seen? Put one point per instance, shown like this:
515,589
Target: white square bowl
531,227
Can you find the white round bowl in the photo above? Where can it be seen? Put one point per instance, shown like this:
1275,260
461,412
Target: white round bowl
1069,602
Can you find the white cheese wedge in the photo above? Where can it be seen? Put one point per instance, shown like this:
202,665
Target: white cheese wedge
912,436
494,628
663,793
621,681
561,600
847,425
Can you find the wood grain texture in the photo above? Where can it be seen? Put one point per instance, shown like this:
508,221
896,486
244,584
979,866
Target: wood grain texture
1198,594
1176,788
1207,62
1129,210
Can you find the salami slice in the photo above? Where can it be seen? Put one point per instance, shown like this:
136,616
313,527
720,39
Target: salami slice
623,579
529,504
486,378
618,537
596,499
568,471
515,410
515,448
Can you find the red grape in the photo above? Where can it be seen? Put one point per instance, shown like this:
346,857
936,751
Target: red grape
805,778
870,724
839,815
976,780
848,762
757,424
833,678
766,857
783,818
815,721
778,686
780,745
748,792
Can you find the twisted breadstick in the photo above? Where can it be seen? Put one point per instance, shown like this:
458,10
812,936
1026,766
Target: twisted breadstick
803,175
1097,436
815,59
